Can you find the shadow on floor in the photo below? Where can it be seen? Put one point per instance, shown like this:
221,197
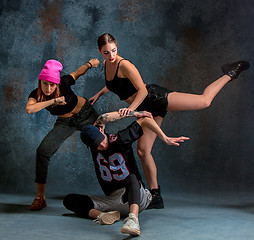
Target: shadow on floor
13,208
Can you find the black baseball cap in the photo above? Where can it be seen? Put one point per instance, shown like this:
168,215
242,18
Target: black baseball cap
91,136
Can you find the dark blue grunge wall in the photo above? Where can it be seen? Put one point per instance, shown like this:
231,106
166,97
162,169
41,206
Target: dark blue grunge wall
175,43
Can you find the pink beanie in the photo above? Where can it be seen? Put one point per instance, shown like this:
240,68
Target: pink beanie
51,71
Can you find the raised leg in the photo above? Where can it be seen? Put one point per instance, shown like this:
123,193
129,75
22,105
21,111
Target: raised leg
185,101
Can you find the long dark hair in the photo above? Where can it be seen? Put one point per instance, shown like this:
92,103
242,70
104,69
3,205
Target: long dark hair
42,97
104,39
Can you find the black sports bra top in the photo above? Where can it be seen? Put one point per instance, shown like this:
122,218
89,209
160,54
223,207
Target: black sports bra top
122,87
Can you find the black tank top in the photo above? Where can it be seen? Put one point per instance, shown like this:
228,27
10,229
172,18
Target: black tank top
122,87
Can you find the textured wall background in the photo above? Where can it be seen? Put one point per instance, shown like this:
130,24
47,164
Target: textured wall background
175,43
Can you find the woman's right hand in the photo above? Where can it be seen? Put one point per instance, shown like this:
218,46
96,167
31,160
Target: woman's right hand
94,99
60,100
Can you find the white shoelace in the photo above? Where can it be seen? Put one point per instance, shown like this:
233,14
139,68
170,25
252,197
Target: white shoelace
131,222
97,220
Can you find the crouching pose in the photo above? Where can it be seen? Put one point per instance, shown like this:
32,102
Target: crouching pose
54,94
117,172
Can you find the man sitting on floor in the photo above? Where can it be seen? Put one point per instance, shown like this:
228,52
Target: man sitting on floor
117,172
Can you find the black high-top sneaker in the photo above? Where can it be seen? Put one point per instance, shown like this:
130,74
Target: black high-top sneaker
234,69
157,201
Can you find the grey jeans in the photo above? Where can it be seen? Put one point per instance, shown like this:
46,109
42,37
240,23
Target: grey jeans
114,202
63,128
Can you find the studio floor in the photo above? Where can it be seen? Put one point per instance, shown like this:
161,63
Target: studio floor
185,216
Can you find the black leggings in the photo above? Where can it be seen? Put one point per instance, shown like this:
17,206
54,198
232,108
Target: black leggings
63,129
79,204
132,190
82,204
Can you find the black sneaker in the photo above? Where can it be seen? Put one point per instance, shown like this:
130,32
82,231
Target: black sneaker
234,69
157,201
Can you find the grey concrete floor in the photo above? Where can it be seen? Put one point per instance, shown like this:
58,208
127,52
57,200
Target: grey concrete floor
186,216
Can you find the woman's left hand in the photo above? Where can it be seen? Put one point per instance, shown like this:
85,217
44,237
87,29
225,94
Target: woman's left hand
95,62
124,111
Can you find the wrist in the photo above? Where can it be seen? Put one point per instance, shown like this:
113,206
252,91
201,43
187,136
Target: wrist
132,108
134,113
89,65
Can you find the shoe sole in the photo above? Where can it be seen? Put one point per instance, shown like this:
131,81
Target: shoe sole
132,232
156,205
110,218
36,208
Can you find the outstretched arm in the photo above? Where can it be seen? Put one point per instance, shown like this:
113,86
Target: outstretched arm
114,116
103,91
82,70
152,125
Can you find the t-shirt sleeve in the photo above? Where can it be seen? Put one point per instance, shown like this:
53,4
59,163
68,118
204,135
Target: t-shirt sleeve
33,94
130,134
67,80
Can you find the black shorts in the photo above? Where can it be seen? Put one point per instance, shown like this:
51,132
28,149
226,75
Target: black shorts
156,101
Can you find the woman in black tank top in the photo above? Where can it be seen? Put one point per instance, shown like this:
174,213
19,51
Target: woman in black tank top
151,98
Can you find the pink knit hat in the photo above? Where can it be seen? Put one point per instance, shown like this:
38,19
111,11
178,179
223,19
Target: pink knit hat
51,71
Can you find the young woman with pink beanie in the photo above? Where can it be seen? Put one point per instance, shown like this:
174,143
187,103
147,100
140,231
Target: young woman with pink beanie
54,93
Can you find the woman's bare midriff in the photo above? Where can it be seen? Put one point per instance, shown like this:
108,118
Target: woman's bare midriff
80,104
131,98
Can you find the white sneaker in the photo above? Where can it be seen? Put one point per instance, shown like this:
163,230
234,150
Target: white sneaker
108,218
131,226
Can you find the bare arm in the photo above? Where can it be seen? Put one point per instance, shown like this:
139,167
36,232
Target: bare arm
33,106
114,116
152,125
82,70
131,72
103,91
